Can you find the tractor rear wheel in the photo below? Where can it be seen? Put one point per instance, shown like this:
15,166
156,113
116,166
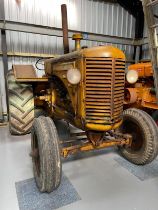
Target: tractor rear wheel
21,106
45,154
144,131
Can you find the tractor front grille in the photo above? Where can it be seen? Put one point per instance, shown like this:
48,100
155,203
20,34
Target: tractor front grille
104,90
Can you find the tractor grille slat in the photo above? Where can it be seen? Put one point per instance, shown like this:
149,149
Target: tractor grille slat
104,90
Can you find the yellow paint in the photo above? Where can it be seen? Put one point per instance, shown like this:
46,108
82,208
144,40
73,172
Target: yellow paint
77,38
143,69
142,88
89,146
101,127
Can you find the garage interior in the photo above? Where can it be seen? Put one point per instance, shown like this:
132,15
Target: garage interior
34,32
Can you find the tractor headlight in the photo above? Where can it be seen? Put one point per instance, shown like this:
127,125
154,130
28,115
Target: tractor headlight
73,76
132,76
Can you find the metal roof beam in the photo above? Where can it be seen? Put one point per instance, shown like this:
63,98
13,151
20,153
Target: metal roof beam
52,31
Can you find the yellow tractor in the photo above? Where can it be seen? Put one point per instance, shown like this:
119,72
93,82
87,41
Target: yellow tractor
86,89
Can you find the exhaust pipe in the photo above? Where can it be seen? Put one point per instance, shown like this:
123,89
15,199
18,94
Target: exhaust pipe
65,28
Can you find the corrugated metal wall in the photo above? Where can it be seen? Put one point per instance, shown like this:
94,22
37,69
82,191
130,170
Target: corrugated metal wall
94,16
85,15
145,48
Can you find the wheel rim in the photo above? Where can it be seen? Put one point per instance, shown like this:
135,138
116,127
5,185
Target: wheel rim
133,128
35,154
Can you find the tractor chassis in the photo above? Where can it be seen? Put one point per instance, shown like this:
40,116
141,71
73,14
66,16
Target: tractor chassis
109,140
83,145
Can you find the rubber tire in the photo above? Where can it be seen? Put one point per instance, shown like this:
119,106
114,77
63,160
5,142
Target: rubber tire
21,106
49,177
149,150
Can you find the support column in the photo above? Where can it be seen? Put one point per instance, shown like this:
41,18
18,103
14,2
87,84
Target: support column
4,47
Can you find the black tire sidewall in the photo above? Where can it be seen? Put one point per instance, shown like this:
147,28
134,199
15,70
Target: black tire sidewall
39,179
49,152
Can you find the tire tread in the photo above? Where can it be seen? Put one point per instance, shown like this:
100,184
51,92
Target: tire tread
21,106
151,135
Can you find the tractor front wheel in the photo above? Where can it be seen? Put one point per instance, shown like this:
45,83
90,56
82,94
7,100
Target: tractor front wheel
45,154
144,132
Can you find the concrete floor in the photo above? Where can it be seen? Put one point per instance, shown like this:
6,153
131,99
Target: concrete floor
100,181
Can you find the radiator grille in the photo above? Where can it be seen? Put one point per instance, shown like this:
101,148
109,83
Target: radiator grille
104,90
